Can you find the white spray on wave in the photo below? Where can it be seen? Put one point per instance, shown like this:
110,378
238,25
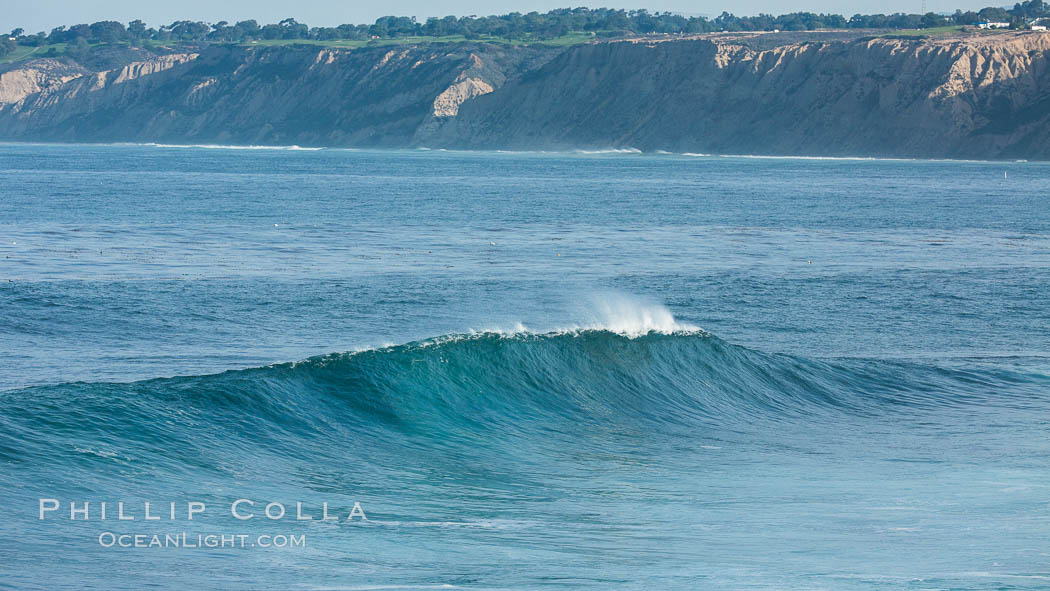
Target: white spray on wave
624,314
633,316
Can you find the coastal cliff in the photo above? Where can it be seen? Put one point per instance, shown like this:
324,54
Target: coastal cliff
967,97
278,95
982,98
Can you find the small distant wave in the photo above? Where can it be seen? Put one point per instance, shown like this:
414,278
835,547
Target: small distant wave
551,152
869,159
610,151
782,157
231,147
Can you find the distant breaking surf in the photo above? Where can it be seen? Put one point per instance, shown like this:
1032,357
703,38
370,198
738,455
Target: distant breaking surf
230,147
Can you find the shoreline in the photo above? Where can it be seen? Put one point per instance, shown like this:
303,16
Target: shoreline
494,151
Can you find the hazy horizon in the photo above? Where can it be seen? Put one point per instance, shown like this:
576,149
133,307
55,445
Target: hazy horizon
47,14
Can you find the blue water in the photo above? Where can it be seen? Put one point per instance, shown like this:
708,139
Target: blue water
608,371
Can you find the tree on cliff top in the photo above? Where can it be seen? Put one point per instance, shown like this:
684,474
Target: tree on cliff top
518,26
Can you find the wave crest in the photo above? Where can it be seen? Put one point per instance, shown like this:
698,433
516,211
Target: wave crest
632,317
617,313
641,372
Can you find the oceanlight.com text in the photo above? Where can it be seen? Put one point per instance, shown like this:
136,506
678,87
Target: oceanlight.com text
207,541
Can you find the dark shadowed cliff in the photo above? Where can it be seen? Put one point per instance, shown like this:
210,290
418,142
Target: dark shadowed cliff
972,97
881,97
277,95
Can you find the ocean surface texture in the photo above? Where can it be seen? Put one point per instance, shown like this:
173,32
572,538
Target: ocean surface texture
566,371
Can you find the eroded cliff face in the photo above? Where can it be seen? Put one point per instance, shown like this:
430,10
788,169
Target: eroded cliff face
16,83
279,95
977,97
984,98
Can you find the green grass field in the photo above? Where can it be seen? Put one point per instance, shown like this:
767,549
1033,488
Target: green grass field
24,52
574,38
932,32
570,39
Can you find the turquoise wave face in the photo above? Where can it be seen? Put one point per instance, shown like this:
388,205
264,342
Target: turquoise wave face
578,444
539,390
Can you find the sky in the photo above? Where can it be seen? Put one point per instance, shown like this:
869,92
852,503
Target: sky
43,15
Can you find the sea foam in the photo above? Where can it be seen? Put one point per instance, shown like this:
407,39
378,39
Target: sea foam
619,313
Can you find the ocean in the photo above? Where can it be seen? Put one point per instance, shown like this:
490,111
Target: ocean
521,370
